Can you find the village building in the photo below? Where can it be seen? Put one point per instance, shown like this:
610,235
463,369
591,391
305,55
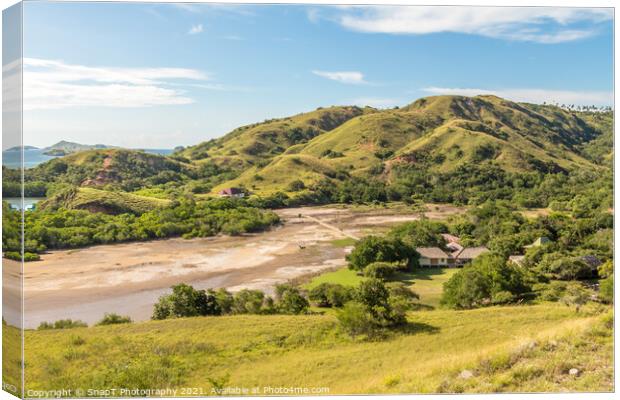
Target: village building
539,242
468,254
517,259
232,192
433,257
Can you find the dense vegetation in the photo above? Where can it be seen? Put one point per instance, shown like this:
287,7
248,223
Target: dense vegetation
63,228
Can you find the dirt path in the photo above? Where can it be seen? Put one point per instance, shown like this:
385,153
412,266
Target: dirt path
129,278
333,228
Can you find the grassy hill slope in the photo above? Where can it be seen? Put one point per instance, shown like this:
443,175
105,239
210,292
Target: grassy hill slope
95,200
250,351
440,134
250,144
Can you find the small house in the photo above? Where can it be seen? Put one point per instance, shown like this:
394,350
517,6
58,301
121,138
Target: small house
539,242
517,259
433,257
468,254
232,192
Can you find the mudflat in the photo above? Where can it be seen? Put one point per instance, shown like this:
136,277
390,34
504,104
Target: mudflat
128,278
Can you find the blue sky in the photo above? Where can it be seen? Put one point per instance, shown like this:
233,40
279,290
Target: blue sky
161,75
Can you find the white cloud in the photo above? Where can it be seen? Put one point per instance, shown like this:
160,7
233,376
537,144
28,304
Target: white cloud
376,102
195,29
348,77
532,24
539,96
51,84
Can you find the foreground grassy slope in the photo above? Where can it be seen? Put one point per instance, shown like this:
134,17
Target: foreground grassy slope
249,351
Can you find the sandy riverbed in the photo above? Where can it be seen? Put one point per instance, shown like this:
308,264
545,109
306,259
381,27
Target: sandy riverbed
128,278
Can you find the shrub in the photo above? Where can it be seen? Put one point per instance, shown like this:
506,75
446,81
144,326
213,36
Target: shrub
62,324
296,186
112,318
606,289
248,301
289,300
481,281
380,270
576,295
16,255
355,319
330,295
552,291
185,301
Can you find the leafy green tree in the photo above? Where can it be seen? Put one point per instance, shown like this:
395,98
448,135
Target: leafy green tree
373,248
289,300
330,295
488,277
185,301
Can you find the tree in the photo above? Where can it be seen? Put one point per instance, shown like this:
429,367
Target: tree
185,301
330,295
248,301
289,300
373,248
488,278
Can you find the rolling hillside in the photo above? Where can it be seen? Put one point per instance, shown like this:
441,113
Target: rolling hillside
440,134
436,135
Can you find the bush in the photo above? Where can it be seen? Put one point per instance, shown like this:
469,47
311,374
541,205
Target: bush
483,280
289,300
111,319
576,295
606,289
249,301
331,295
296,185
552,291
355,320
185,301
16,255
62,324
380,270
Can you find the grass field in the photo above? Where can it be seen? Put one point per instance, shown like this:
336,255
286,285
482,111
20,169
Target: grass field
310,351
427,282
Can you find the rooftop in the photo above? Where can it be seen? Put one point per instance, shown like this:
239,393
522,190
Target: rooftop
431,252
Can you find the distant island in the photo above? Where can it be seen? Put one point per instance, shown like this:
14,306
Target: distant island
64,147
18,148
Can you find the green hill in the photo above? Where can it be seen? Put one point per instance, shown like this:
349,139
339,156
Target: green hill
116,168
95,200
433,135
529,348
440,134
248,145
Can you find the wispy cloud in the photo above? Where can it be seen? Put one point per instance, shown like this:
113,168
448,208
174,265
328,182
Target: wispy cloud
539,96
52,84
530,24
348,77
195,29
